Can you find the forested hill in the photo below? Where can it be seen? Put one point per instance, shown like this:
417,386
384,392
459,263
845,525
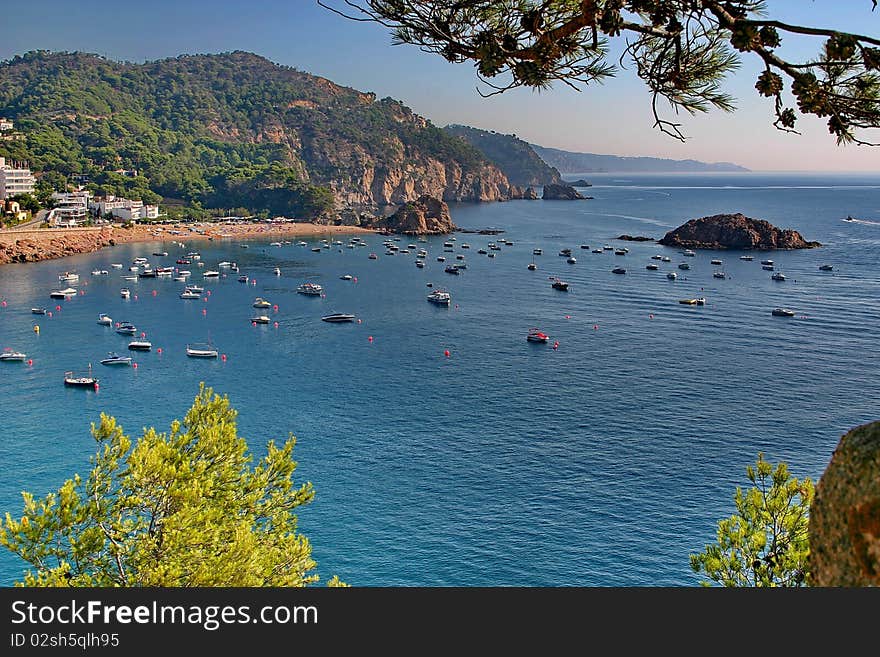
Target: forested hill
515,157
568,162
229,130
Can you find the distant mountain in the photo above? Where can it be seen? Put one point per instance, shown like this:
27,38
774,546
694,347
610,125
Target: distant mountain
568,162
515,157
230,130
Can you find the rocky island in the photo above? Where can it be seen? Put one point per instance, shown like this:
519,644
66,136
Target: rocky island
425,216
734,231
562,193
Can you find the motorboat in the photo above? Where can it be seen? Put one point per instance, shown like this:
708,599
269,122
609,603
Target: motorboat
99,272
75,380
666,259
534,335
243,279
452,269
148,273
598,251
201,351
618,270
10,355
559,285
373,256
778,276
491,255
620,252
420,264
38,311
63,294
700,301
715,261
565,252
164,271
346,277
688,253
126,328
459,257
194,255
440,297
260,302
494,247
195,288
116,265
68,277
140,345
657,257
537,252
338,317
672,276
585,246
139,261
441,259
767,267
482,251
782,312
825,267
260,319
652,266
316,249
766,262
607,247
115,359
190,294
310,289
748,258
277,271
684,265
532,266
572,260
105,320
719,274
161,254
125,293
211,273
184,261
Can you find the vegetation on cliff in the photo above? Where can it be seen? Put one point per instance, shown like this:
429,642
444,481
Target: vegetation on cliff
226,130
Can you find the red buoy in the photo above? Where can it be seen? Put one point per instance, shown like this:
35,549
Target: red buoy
651,316
253,323
49,313
3,303
556,345
155,293
134,365
159,350
223,358
595,327
276,324
97,387
204,311
446,353
370,338
143,334
30,361
57,307
208,292
135,297
275,307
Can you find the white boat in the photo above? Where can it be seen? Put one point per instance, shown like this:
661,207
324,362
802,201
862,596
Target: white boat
440,297
766,262
656,257
115,359
140,345
346,277
666,259
223,264
80,380
748,258
189,294
260,302
68,277
420,264
125,293
701,301
715,261
782,312
572,260
63,294
195,288
211,273
532,266
126,328
719,274
116,265
201,351
38,311
260,319
105,320
688,253
277,271
10,355
161,254
537,252
129,278
778,276
310,289
140,261
826,267
652,266
684,265
672,276
338,317
99,272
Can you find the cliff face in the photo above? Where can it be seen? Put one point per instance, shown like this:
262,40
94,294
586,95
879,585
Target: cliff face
562,193
24,248
425,216
734,231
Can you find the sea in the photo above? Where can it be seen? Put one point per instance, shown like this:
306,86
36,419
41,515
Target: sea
445,449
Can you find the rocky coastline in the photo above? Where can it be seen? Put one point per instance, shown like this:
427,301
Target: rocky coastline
734,231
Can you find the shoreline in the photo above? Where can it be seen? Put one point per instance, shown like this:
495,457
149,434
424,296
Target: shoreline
36,245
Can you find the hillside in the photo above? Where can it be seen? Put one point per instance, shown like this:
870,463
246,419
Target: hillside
568,162
230,130
515,157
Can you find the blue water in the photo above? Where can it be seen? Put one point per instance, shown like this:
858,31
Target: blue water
603,462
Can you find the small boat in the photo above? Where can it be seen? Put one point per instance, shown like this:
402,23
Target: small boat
440,297
656,257
148,273
99,272
420,264
532,266
620,252
534,335
316,249
767,267
201,351
140,345
464,246
778,276
666,259
700,301
68,277
607,247
491,255
275,244
180,279
242,279
618,270
277,271
244,246
715,261
260,319
211,273
338,317
38,311
565,252
139,261
452,269
537,252
195,288
260,302
652,266
372,256
195,255
494,247
190,294
598,251
688,253
448,245
782,312
310,289
825,267
572,260
559,285
672,276
164,271
105,320
346,277
161,254
133,268
747,258
184,261
585,246
766,262
80,380
719,274
116,265
126,328
459,257
125,293
63,294
115,359
684,265
482,251
10,355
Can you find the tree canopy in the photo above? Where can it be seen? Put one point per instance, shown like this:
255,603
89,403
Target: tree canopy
681,49
766,542
183,508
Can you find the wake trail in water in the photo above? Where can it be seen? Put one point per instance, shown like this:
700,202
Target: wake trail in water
645,220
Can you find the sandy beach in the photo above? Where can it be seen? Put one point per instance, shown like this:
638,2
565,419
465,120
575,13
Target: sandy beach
49,243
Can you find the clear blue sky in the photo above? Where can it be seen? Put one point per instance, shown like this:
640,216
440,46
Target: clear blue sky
613,118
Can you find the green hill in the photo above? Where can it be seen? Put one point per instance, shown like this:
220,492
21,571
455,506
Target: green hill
230,130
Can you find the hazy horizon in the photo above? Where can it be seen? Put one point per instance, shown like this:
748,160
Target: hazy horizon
609,119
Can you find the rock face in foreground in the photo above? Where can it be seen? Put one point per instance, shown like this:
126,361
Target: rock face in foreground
561,193
734,231
845,514
33,246
426,216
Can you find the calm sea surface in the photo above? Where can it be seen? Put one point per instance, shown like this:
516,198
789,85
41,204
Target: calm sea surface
605,461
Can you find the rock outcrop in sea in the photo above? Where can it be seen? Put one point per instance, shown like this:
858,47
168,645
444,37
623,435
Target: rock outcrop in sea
845,513
734,231
425,216
636,238
21,247
562,193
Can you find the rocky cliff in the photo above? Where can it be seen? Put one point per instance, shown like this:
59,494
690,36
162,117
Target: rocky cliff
46,245
562,193
734,231
425,216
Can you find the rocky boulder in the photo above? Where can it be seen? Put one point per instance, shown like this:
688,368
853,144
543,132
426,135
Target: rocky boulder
561,193
635,238
845,513
734,231
426,216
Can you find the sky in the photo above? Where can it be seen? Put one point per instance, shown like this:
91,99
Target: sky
613,118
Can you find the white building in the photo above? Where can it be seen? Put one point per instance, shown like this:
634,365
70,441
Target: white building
123,208
71,208
15,179
5,124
